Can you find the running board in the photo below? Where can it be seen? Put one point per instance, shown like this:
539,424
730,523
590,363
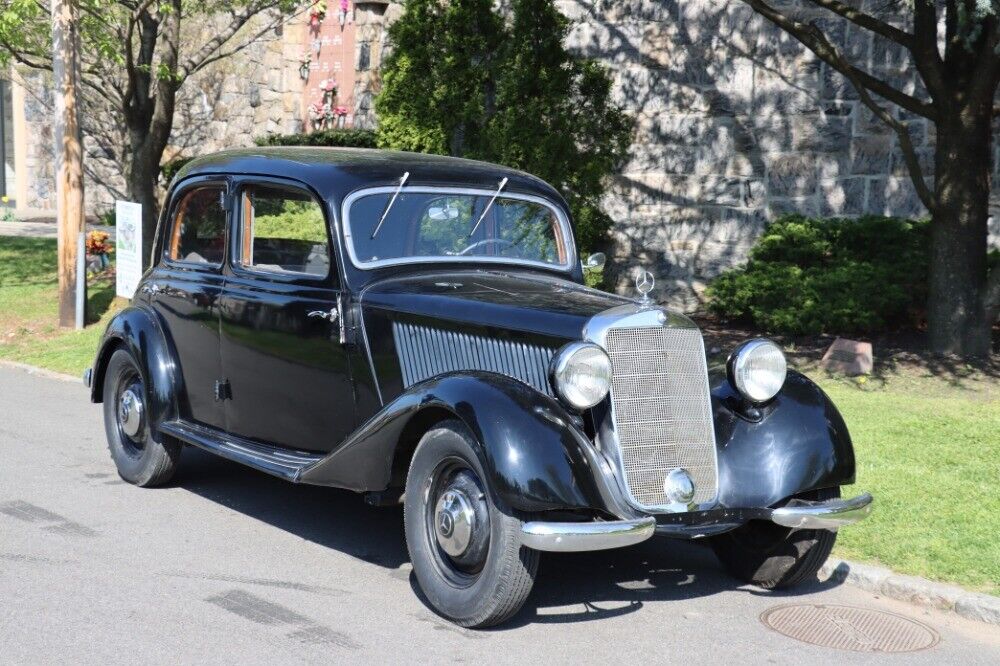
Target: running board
283,463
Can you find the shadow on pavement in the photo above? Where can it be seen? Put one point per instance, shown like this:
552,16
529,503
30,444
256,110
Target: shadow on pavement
571,587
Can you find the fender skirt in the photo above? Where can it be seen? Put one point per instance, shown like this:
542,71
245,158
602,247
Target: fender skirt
799,443
137,329
536,456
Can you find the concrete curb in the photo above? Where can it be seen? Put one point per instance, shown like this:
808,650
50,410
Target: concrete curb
41,372
919,591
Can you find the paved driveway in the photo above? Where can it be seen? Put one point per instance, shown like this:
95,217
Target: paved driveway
229,565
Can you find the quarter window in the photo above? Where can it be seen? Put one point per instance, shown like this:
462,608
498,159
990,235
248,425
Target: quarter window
199,229
283,231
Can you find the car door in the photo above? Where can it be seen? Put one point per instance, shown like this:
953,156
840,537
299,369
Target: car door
288,374
185,288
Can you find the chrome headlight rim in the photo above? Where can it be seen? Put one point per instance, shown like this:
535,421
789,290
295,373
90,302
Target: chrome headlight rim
559,370
736,367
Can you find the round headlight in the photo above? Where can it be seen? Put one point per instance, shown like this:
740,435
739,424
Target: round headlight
581,374
757,369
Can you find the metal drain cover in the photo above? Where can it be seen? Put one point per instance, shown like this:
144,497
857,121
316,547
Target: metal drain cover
850,628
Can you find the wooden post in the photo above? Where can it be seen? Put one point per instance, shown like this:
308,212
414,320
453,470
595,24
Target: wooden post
68,153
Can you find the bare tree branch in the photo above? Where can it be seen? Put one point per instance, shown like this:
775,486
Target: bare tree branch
814,39
221,55
868,22
233,26
925,48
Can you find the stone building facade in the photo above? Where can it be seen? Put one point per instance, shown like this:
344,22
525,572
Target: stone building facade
735,122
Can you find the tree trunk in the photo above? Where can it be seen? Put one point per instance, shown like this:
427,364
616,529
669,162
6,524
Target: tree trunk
956,311
143,170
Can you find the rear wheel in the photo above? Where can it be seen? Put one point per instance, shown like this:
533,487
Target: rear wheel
466,553
772,556
139,458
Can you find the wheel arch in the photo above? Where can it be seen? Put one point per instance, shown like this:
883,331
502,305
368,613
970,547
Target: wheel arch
138,331
531,448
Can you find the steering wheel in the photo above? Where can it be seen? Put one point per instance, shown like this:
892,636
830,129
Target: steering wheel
498,241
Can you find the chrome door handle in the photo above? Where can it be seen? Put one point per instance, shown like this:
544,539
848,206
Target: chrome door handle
150,288
330,315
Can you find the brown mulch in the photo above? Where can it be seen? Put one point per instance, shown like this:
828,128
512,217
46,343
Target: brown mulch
900,352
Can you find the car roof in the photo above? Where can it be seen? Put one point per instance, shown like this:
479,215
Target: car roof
336,172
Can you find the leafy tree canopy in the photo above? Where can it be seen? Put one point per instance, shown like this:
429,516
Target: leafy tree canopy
463,81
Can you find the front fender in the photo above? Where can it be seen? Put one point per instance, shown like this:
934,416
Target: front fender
801,443
137,329
536,456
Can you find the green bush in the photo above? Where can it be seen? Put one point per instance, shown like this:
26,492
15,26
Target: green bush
348,138
808,276
470,78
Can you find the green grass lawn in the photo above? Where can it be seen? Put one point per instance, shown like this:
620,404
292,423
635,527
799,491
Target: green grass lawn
928,447
929,451
29,332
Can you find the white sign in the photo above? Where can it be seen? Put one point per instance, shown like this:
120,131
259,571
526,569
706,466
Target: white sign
128,247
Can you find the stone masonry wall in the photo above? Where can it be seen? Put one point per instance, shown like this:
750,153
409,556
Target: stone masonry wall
736,122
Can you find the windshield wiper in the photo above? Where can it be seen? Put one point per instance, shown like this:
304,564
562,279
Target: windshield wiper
385,213
503,183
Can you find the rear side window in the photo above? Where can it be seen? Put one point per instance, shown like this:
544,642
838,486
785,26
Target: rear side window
283,231
198,232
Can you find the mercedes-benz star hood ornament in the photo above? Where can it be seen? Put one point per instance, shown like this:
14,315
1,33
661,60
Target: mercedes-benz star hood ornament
644,283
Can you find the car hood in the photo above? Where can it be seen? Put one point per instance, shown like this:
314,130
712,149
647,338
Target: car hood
507,300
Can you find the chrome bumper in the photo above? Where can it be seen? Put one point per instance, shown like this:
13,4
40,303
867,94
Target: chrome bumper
574,537
828,515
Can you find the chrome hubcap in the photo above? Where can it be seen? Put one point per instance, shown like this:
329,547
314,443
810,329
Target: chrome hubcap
454,521
130,412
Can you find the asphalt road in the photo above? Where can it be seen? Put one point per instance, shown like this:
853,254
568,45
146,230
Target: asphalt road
229,565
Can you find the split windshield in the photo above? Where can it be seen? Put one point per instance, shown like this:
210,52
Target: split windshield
422,225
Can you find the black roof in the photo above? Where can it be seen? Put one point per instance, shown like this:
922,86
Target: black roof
335,172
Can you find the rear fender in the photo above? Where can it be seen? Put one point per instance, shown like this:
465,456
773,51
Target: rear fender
137,329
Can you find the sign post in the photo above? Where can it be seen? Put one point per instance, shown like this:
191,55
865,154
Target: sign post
128,247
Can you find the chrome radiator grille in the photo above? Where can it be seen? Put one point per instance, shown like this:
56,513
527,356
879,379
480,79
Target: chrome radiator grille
662,410
425,352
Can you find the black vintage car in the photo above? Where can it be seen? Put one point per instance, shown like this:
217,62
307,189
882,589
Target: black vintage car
416,329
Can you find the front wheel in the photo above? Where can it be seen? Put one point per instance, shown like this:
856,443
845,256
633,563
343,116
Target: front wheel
773,556
466,553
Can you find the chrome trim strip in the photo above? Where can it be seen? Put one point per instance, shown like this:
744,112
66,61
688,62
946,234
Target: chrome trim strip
564,225
828,515
368,353
577,537
638,315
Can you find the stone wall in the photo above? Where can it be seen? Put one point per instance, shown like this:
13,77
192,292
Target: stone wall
736,122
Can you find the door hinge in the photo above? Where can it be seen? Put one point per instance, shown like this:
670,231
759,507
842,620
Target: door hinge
223,390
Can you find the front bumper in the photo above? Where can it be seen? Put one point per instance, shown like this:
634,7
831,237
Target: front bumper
828,515
575,537
798,514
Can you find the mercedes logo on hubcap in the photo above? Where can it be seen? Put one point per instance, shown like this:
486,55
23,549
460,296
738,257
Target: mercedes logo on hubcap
446,524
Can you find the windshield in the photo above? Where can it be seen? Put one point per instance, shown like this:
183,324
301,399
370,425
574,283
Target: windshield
427,224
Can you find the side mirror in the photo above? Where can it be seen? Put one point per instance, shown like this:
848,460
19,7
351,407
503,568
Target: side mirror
596,261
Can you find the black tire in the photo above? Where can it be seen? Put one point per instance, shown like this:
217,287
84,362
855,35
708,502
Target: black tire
140,459
489,582
773,556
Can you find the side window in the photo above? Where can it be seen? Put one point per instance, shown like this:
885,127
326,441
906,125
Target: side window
199,227
283,230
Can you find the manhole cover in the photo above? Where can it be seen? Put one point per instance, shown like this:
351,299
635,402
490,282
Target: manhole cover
849,628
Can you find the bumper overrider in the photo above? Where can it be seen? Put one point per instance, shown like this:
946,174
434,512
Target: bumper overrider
602,535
